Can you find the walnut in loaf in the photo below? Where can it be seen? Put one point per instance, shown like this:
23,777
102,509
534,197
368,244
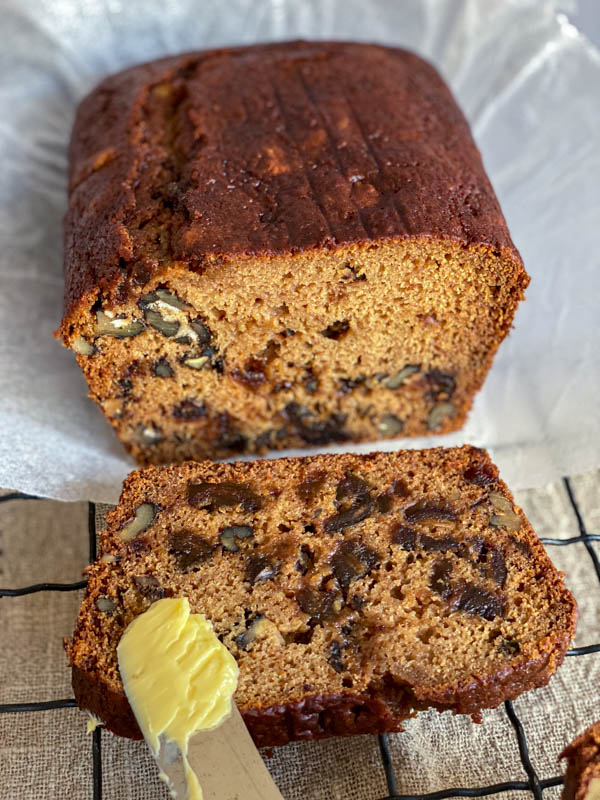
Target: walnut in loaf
352,590
582,780
281,245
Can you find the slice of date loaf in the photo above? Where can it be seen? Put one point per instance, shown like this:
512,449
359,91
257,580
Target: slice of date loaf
582,780
282,245
352,590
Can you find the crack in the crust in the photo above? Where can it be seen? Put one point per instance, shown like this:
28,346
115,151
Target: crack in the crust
310,96
375,158
283,117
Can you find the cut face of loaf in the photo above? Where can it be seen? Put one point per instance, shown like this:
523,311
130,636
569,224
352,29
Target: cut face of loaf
282,246
352,590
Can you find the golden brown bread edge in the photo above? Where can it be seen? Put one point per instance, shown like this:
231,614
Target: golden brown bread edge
323,715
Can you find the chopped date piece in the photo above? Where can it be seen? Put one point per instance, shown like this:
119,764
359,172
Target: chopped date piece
351,487
384,503
475,600
189,549
481,474
335,656
426,509
351,516
354,501
442,384
125,386
228,437
439,576
315,431
356,602
320,606
259,568
252,374
189,409
496,567
464,596
410,539
308,488
223,495
385,500
336,329
148,586
406,537
398,488
352,560
218,365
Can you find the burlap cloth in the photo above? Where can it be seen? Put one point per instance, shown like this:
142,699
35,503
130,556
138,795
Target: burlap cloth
48,754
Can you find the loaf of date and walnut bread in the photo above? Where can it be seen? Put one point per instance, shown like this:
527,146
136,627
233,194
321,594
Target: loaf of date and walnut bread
582,780
352,590
281,245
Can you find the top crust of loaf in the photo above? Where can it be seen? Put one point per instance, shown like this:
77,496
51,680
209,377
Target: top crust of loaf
266,151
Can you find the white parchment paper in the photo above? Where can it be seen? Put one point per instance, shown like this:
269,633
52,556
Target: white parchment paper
530,86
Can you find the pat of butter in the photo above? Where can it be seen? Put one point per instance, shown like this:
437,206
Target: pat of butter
177,676
593,791
92,723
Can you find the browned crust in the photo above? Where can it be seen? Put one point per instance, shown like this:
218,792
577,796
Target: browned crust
405,140
583,763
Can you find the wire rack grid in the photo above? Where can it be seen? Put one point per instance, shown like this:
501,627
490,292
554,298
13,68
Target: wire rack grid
534,785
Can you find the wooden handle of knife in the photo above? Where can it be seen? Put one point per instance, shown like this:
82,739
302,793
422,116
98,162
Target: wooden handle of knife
228,765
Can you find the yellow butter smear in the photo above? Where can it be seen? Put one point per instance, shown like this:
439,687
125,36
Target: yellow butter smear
177,676
593,791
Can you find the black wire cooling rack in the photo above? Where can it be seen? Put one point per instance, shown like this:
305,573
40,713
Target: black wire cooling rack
534,784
